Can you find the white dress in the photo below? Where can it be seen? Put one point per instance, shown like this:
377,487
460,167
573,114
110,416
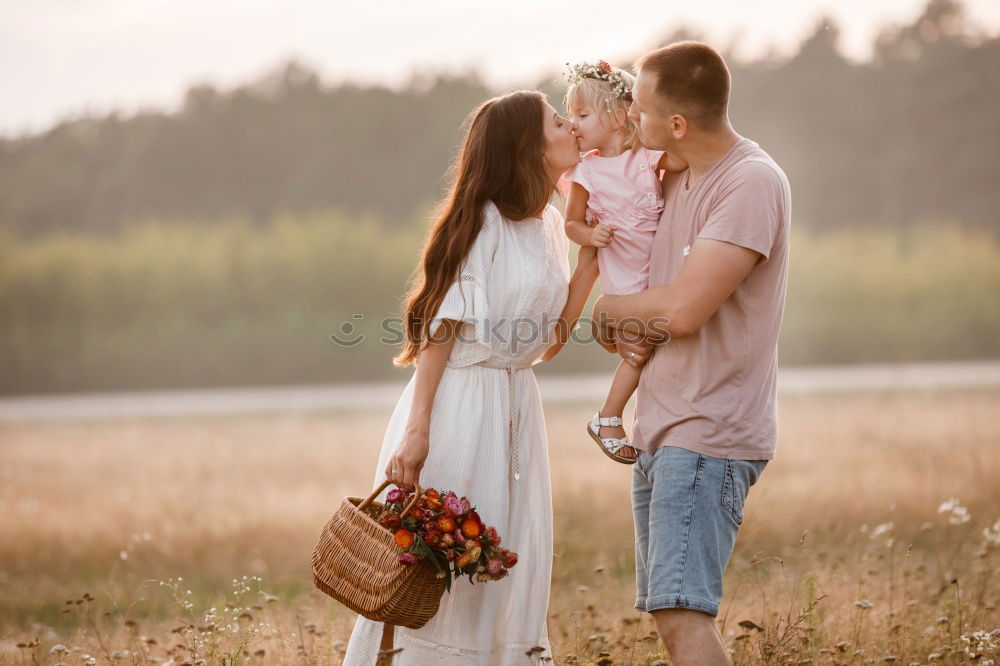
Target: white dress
515,278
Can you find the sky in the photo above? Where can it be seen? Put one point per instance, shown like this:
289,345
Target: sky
64,58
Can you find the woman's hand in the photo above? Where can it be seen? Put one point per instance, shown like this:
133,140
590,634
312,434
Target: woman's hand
408,459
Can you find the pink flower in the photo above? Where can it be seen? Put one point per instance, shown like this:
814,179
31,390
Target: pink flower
466,507
458,536
395,496
407,559
494,567
453,505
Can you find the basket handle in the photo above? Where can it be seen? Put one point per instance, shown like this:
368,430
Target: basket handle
385,484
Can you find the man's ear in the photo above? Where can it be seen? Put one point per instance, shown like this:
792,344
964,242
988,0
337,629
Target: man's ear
678,126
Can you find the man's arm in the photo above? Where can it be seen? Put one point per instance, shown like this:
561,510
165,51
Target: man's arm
711,272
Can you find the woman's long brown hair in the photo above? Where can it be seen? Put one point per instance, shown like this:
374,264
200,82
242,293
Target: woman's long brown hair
501,160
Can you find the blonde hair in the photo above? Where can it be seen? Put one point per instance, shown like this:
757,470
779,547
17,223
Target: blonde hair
598,95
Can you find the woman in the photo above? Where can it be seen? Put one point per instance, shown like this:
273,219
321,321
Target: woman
493,296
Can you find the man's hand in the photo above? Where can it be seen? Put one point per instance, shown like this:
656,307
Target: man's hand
635,353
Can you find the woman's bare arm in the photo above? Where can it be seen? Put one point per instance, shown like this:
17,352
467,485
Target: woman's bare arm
580,285
406,462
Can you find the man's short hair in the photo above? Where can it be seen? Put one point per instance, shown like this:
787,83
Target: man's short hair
691,79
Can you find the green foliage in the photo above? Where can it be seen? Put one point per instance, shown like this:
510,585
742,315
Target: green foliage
170,303
873,295
199,303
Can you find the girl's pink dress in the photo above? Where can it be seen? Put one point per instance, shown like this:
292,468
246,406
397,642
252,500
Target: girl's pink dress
625,192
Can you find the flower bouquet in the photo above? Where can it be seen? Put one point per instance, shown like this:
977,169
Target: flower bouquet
446,531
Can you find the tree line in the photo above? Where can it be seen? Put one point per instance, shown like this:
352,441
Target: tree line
909,135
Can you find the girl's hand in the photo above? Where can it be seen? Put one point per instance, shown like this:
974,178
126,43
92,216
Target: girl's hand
407,461
601,235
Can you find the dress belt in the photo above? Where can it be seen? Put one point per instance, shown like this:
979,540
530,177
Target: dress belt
512,420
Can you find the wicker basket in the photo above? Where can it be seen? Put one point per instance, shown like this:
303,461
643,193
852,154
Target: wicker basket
355,563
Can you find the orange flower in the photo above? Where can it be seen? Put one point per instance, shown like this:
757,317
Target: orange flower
468,557
390,520
404,538
433,498
446,524
471,528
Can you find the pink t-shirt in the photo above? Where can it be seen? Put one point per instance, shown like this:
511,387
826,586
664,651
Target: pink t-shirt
626,192
714,392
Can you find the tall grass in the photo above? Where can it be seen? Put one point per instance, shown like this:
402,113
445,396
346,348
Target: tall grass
189,303
844,555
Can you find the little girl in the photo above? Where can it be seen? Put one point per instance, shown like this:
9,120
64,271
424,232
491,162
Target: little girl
618,180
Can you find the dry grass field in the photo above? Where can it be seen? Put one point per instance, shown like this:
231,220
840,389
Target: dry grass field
844,556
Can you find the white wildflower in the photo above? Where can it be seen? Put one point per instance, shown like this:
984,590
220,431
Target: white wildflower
879,530
959,515
979,643
992,534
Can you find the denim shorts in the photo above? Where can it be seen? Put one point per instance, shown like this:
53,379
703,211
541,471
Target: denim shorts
688,508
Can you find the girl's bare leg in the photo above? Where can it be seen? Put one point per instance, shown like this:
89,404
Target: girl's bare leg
623,385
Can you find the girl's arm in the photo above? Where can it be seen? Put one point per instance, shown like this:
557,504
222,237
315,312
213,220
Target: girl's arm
408,459
577,228
580,285
672,163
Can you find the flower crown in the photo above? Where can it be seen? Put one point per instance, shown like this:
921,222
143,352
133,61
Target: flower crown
602,71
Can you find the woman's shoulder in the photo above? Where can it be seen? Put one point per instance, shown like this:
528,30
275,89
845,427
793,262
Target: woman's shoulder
552,212
489,232
493,217
491,213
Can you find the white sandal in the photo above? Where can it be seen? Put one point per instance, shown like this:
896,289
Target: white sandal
609,445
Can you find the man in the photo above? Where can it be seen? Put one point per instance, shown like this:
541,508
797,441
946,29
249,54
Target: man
708,326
